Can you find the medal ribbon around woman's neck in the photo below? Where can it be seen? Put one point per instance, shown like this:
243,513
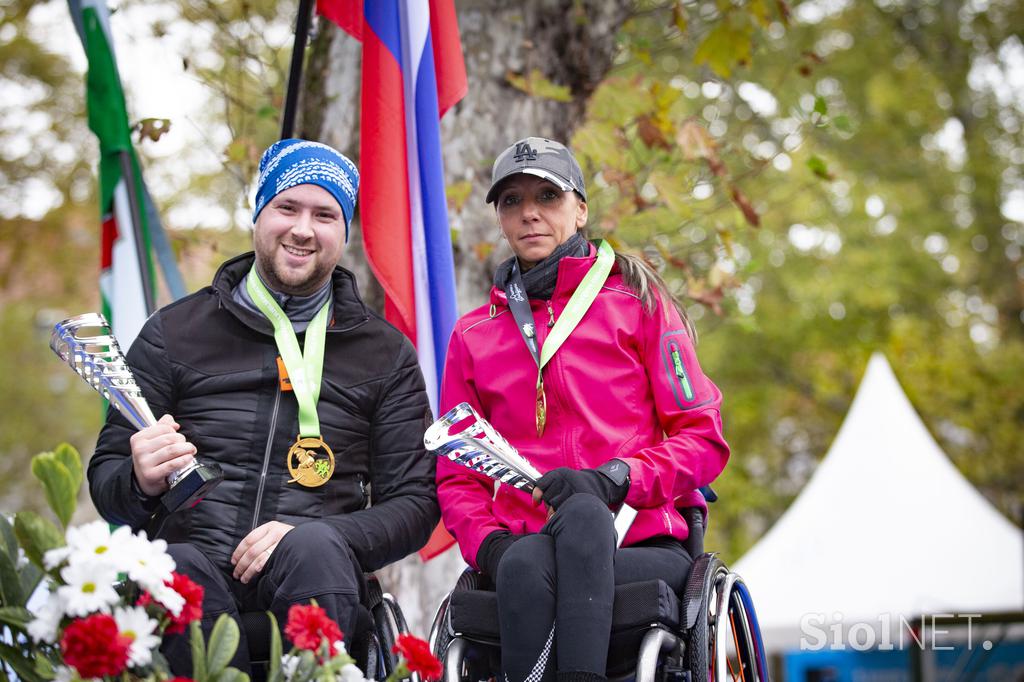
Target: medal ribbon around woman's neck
577,306
310,460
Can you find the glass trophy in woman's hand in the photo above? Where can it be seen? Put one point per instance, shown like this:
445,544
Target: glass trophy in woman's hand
478,446
87,344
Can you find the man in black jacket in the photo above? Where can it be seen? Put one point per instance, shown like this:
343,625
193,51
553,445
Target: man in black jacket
313,406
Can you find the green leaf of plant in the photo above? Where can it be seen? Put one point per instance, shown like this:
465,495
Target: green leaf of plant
274,673
305,667
221,647
36,535
30,575
679,16
537,84
759,10
229,675
819,167
725,46
58,485
23,667
7,537
68,455
267,111
820,106
15,616
44,667
198,646
842,123
11,594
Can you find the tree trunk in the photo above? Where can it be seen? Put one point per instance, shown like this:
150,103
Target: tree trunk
571,44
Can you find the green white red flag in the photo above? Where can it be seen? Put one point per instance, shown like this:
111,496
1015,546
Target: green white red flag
126,284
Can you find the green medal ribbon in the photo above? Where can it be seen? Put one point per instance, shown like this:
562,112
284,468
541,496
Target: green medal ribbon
574,310
578,304
304,369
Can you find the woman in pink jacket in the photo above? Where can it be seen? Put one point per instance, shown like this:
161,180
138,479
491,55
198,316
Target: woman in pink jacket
585,363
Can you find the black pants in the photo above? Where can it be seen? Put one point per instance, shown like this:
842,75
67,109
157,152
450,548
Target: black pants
311,562
555,591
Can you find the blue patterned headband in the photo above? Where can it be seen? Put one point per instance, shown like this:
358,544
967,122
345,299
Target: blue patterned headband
287,163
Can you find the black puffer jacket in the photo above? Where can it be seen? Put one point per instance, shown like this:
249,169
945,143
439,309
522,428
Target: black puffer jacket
212,365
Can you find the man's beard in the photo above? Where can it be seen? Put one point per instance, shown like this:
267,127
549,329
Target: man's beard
309,285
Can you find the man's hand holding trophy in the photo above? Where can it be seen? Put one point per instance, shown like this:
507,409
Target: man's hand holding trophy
163,460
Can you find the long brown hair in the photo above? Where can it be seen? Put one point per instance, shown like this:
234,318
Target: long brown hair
638,275
648,285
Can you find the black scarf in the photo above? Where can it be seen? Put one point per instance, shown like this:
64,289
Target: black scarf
539,281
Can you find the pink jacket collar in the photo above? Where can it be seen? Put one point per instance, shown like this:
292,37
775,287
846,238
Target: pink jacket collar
571,272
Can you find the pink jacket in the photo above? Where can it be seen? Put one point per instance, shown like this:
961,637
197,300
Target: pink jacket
624,385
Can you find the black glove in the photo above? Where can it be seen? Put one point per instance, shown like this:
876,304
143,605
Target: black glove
609,483
492,549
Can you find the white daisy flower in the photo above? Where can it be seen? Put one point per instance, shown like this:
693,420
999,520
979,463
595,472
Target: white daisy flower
94,543
55,557
148,563
132,622
350,672
89,587
171,600
43,628
288,665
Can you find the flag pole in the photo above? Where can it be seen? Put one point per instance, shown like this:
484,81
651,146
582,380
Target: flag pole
295,73
135,206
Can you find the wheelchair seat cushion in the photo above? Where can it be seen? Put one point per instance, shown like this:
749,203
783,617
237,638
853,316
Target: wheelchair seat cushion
473,613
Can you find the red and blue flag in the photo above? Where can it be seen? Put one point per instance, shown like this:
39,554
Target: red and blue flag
413,72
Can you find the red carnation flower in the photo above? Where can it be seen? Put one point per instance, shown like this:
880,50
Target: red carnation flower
193,608
94,647
181,679
308,626
418,656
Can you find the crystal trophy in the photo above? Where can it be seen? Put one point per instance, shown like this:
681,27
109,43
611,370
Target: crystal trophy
478,446
87,344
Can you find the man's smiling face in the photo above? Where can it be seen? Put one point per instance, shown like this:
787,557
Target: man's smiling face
298,239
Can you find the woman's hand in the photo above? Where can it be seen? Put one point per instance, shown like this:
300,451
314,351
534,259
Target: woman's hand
609,483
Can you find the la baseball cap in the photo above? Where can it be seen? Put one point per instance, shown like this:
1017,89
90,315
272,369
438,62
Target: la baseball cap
541,157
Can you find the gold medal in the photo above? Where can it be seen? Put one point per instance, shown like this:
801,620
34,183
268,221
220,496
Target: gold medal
542,409
309,466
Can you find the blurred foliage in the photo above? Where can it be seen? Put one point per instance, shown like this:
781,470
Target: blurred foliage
815,180
48,251
241,51
814,203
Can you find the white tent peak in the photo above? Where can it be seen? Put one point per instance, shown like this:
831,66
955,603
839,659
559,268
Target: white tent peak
886,526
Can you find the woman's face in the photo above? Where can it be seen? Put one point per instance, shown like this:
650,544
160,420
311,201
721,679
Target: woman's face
535,216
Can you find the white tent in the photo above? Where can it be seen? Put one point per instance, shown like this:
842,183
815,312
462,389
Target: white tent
886,528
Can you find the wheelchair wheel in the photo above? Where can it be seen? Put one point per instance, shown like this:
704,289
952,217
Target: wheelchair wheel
723,638
390,622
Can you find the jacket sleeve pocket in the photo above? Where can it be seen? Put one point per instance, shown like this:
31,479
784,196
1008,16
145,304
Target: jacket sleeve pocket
689,386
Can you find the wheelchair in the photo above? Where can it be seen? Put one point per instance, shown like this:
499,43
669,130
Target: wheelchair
380,621
707,634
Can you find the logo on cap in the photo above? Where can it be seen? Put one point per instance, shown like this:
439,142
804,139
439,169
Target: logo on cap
524,152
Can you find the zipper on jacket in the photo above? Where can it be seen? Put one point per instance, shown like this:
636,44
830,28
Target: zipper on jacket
266,460
680,370
551,316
